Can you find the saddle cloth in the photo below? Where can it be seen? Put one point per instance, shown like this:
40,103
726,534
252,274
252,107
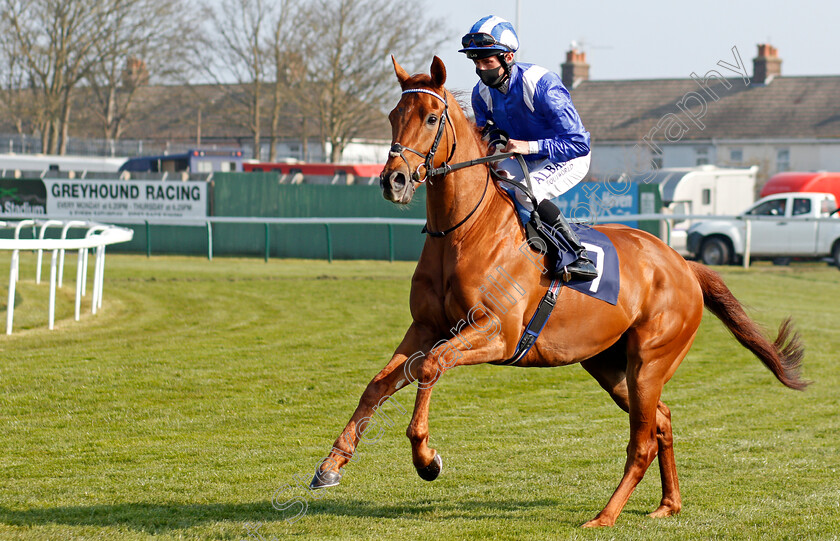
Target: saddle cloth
600,250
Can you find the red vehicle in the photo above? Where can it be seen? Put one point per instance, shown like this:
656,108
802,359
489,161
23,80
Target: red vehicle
321,173
822,182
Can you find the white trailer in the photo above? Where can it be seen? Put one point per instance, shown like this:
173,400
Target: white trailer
9,163
705,189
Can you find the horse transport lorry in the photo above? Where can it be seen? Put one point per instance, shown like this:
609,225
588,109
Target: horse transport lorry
782,226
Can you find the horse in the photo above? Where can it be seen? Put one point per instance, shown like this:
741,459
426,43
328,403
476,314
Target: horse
631,348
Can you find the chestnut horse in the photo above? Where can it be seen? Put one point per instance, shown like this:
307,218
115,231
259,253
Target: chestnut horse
631,348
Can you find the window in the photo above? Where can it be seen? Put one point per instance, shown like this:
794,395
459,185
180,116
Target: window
801,206
707,196
656,160
782,160
205,166
827,206
775,207
702,156
736,155
680,207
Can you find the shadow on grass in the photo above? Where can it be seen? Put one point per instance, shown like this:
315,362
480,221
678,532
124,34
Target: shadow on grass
155,518
146,517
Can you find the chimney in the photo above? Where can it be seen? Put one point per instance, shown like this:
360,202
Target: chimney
575,69
135,73
766,65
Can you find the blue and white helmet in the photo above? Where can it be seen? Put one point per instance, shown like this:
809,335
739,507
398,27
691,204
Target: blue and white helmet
489,36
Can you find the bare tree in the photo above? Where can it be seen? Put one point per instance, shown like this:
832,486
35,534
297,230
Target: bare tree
289,71
15,98
348,60
145,38
242,28
54,39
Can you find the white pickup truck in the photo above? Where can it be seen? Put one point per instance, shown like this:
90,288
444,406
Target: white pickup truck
783,226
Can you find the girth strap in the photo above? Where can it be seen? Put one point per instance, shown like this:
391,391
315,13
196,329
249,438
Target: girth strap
535,326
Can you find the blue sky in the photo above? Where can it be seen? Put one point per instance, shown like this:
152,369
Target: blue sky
647,39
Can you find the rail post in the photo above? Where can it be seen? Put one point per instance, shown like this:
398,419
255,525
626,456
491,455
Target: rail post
10,307
209,241
747,241
267,242
391,243
148,240
329,243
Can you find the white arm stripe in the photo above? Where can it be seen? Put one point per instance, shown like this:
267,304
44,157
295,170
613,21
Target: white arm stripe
530,78
484,92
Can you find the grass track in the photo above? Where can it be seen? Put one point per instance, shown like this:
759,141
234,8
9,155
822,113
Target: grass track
202,387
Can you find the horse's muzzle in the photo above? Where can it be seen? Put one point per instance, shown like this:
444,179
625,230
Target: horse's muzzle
396,186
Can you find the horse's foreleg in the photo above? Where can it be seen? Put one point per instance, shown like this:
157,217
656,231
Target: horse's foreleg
470,347
426,460
364,420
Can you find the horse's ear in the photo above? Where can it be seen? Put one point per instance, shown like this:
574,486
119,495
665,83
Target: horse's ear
438,72
402,75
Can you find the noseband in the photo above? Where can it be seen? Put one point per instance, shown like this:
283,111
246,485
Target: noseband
398,149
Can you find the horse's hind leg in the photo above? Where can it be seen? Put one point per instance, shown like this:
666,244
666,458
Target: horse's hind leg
608,369
650,420
671,501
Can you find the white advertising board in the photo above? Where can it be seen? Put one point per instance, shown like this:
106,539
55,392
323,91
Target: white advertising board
103,199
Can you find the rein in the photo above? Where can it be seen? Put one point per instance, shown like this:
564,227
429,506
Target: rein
398,150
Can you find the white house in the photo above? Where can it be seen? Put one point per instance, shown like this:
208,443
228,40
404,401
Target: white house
722,117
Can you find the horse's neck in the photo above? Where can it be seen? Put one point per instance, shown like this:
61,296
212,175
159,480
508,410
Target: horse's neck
462,192
450,200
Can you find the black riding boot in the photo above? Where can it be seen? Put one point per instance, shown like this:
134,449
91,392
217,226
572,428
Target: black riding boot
582,268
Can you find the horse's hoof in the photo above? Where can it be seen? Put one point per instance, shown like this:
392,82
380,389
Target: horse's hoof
325,479
430,472
665,511
598,522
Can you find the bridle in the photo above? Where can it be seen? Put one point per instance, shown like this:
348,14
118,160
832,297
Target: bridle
398,150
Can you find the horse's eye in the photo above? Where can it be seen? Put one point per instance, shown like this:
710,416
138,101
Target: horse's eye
431,120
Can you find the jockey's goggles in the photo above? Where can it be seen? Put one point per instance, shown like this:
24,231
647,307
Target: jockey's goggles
479,40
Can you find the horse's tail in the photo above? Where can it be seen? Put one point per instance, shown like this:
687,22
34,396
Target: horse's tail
783,357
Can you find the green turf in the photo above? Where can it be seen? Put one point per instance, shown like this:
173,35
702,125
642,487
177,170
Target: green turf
202,387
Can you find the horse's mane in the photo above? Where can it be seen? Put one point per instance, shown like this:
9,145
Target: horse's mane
464,100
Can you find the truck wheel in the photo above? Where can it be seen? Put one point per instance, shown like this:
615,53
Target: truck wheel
835,253
715,252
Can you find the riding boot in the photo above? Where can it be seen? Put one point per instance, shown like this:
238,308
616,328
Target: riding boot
582,268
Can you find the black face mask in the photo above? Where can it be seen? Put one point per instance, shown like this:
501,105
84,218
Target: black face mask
492,77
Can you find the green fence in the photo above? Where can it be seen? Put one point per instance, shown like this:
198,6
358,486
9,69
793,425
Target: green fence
260,195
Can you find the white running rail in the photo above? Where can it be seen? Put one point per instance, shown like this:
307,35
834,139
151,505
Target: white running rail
97,237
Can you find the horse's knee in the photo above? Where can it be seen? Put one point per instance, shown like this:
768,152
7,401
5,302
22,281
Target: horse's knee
663,425
428,373
662,409
642,452
372,394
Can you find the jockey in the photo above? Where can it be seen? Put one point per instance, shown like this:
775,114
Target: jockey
531,105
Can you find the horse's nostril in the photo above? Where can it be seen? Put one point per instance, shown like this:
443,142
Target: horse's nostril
397,180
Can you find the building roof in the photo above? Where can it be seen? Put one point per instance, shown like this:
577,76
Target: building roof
786,107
